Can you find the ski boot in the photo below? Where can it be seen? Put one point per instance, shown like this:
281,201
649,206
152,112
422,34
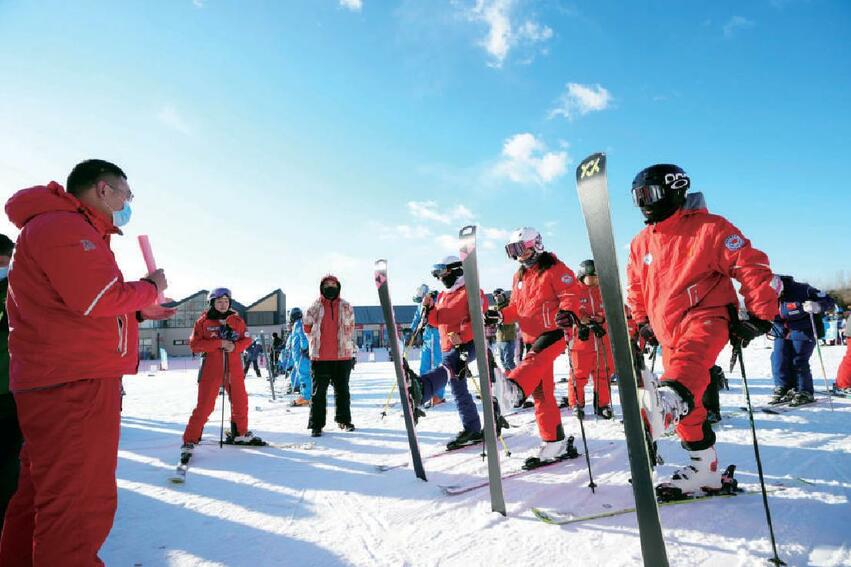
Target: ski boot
605,412
186,451
551,452
299,402
507,392
248,438
316,433
465,438
346,426
700,478
661,408
802,398
579,411
781,395
415,390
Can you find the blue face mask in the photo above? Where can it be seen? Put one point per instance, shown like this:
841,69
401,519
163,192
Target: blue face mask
4,273
122,217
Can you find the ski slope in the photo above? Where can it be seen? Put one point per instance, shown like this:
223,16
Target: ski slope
330,506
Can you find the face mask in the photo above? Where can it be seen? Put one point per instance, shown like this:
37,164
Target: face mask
330,293
449,280
122,217
4,272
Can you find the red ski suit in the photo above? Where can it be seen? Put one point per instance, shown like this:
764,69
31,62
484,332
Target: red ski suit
843,375
73,335
591,358
537,295
218,367
679,278
451,314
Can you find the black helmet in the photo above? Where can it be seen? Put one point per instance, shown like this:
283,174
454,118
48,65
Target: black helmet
586,268
295,314
660,190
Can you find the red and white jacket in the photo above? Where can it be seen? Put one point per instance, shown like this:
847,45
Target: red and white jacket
537,295
71,314
682,267
451,314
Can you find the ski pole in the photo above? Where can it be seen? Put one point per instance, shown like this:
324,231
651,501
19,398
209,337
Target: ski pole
591,484
224,380
776,560
821,360
387,402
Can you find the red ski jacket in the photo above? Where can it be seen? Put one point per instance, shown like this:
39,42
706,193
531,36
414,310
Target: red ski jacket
71,314
590,307
537,295
451,314
682,267
206,338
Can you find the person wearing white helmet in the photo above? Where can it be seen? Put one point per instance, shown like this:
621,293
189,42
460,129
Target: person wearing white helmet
544,298
449,312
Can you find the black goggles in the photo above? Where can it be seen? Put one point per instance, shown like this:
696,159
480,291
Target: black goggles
515,249
443,270
648,194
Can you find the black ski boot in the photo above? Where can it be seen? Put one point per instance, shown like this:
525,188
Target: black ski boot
552,452
346,426
802,398
465,438
415,390
605,412
782,395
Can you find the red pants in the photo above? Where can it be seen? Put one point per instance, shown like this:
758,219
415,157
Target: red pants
208,390
843,375
535,374
589,363
697,344
66,499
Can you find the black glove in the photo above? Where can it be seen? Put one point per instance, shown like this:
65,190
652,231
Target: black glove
597,329
646,333
566,319
743,331
492,317
583,332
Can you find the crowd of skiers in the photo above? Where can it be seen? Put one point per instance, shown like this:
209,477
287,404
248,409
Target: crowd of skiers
60,406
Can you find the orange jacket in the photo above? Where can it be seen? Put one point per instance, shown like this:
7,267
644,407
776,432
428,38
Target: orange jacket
451,314
681,267
71,314
590,307
206,339
537,295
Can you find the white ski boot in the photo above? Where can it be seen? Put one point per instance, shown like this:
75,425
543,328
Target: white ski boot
661,406
507,392
552,452
700,477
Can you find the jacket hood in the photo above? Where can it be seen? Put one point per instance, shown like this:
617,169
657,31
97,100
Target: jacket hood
27,204
330,277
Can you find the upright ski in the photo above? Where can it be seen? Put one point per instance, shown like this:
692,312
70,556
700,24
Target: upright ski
592,186
401,377
467,235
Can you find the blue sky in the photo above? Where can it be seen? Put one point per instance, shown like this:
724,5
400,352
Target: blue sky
269,143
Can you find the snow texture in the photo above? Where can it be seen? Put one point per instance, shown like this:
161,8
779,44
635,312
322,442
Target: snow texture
330,505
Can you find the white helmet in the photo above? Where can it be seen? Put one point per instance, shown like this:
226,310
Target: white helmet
522,239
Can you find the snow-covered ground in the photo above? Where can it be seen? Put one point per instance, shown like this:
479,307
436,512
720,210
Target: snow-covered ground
331,506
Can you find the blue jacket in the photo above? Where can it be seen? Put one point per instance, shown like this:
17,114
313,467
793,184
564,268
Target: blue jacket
431,336
793,322
297,346
253,351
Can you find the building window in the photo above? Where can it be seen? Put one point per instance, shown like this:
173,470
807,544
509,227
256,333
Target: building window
180,342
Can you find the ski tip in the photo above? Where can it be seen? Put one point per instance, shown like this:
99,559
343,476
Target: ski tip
594,164
467,231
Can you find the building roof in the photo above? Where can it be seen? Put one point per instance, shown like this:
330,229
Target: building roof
280,295
373,315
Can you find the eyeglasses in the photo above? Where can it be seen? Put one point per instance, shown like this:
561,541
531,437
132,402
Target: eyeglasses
128,194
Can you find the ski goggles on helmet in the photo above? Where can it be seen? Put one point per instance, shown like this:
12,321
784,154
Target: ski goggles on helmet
220,292
514,250
646,195
443,270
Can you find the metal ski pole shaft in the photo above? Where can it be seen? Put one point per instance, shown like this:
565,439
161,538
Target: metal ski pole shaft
821,360
776,560
591,484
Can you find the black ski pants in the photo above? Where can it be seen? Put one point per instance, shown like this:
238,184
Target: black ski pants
336,373
248,364
10,446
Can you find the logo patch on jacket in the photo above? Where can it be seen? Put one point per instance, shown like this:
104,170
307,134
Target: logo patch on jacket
648,258
520,284
88,245
567,279
734,242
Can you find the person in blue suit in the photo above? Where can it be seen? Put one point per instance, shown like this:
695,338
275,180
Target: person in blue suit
430,355
297,346
801,305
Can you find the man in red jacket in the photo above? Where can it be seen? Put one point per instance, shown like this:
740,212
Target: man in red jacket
590,351
544,300
679,288
220,337
74,325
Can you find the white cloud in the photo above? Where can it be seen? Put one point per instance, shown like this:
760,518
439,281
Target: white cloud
525,159
581,99
403,231
353,5
737,23
169,116
503,35
449,244
428,210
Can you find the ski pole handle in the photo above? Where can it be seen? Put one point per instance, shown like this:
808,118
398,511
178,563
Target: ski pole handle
150,263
